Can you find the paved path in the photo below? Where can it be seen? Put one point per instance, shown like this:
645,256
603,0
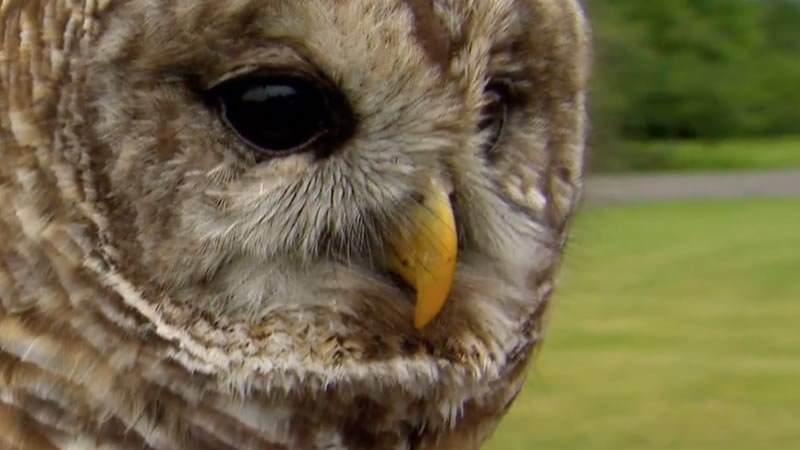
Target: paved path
604,189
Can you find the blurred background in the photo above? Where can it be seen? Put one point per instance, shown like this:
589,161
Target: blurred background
677,320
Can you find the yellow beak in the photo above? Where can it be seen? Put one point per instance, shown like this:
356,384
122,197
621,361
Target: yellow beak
425,256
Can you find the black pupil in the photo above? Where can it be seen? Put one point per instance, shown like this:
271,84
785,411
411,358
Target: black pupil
274,114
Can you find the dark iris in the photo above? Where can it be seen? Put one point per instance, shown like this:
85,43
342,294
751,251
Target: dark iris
494,115
275,114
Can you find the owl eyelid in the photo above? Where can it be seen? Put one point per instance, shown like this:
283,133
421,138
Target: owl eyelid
495,113
251,71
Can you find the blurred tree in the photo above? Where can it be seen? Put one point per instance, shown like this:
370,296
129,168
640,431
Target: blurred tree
700,69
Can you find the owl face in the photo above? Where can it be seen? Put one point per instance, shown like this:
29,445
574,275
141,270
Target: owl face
285,177
238,221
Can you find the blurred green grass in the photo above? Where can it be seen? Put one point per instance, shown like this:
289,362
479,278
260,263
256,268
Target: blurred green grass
677,326
730,154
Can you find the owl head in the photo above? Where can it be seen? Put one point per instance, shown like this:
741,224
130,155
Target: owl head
282,198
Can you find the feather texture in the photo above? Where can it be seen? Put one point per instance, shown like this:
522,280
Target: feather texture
160,289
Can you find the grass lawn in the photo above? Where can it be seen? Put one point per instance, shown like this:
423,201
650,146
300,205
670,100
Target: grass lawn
731,154
677,326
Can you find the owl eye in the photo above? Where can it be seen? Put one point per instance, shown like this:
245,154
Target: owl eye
494,115
278,114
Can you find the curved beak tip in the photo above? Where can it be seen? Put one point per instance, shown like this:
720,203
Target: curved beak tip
426,257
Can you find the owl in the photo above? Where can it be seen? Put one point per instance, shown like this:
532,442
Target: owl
280,224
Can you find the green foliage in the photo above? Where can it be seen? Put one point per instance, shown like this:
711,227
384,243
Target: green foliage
677,69
675,328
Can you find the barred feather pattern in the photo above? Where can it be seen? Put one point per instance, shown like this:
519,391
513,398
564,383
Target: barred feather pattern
121,328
